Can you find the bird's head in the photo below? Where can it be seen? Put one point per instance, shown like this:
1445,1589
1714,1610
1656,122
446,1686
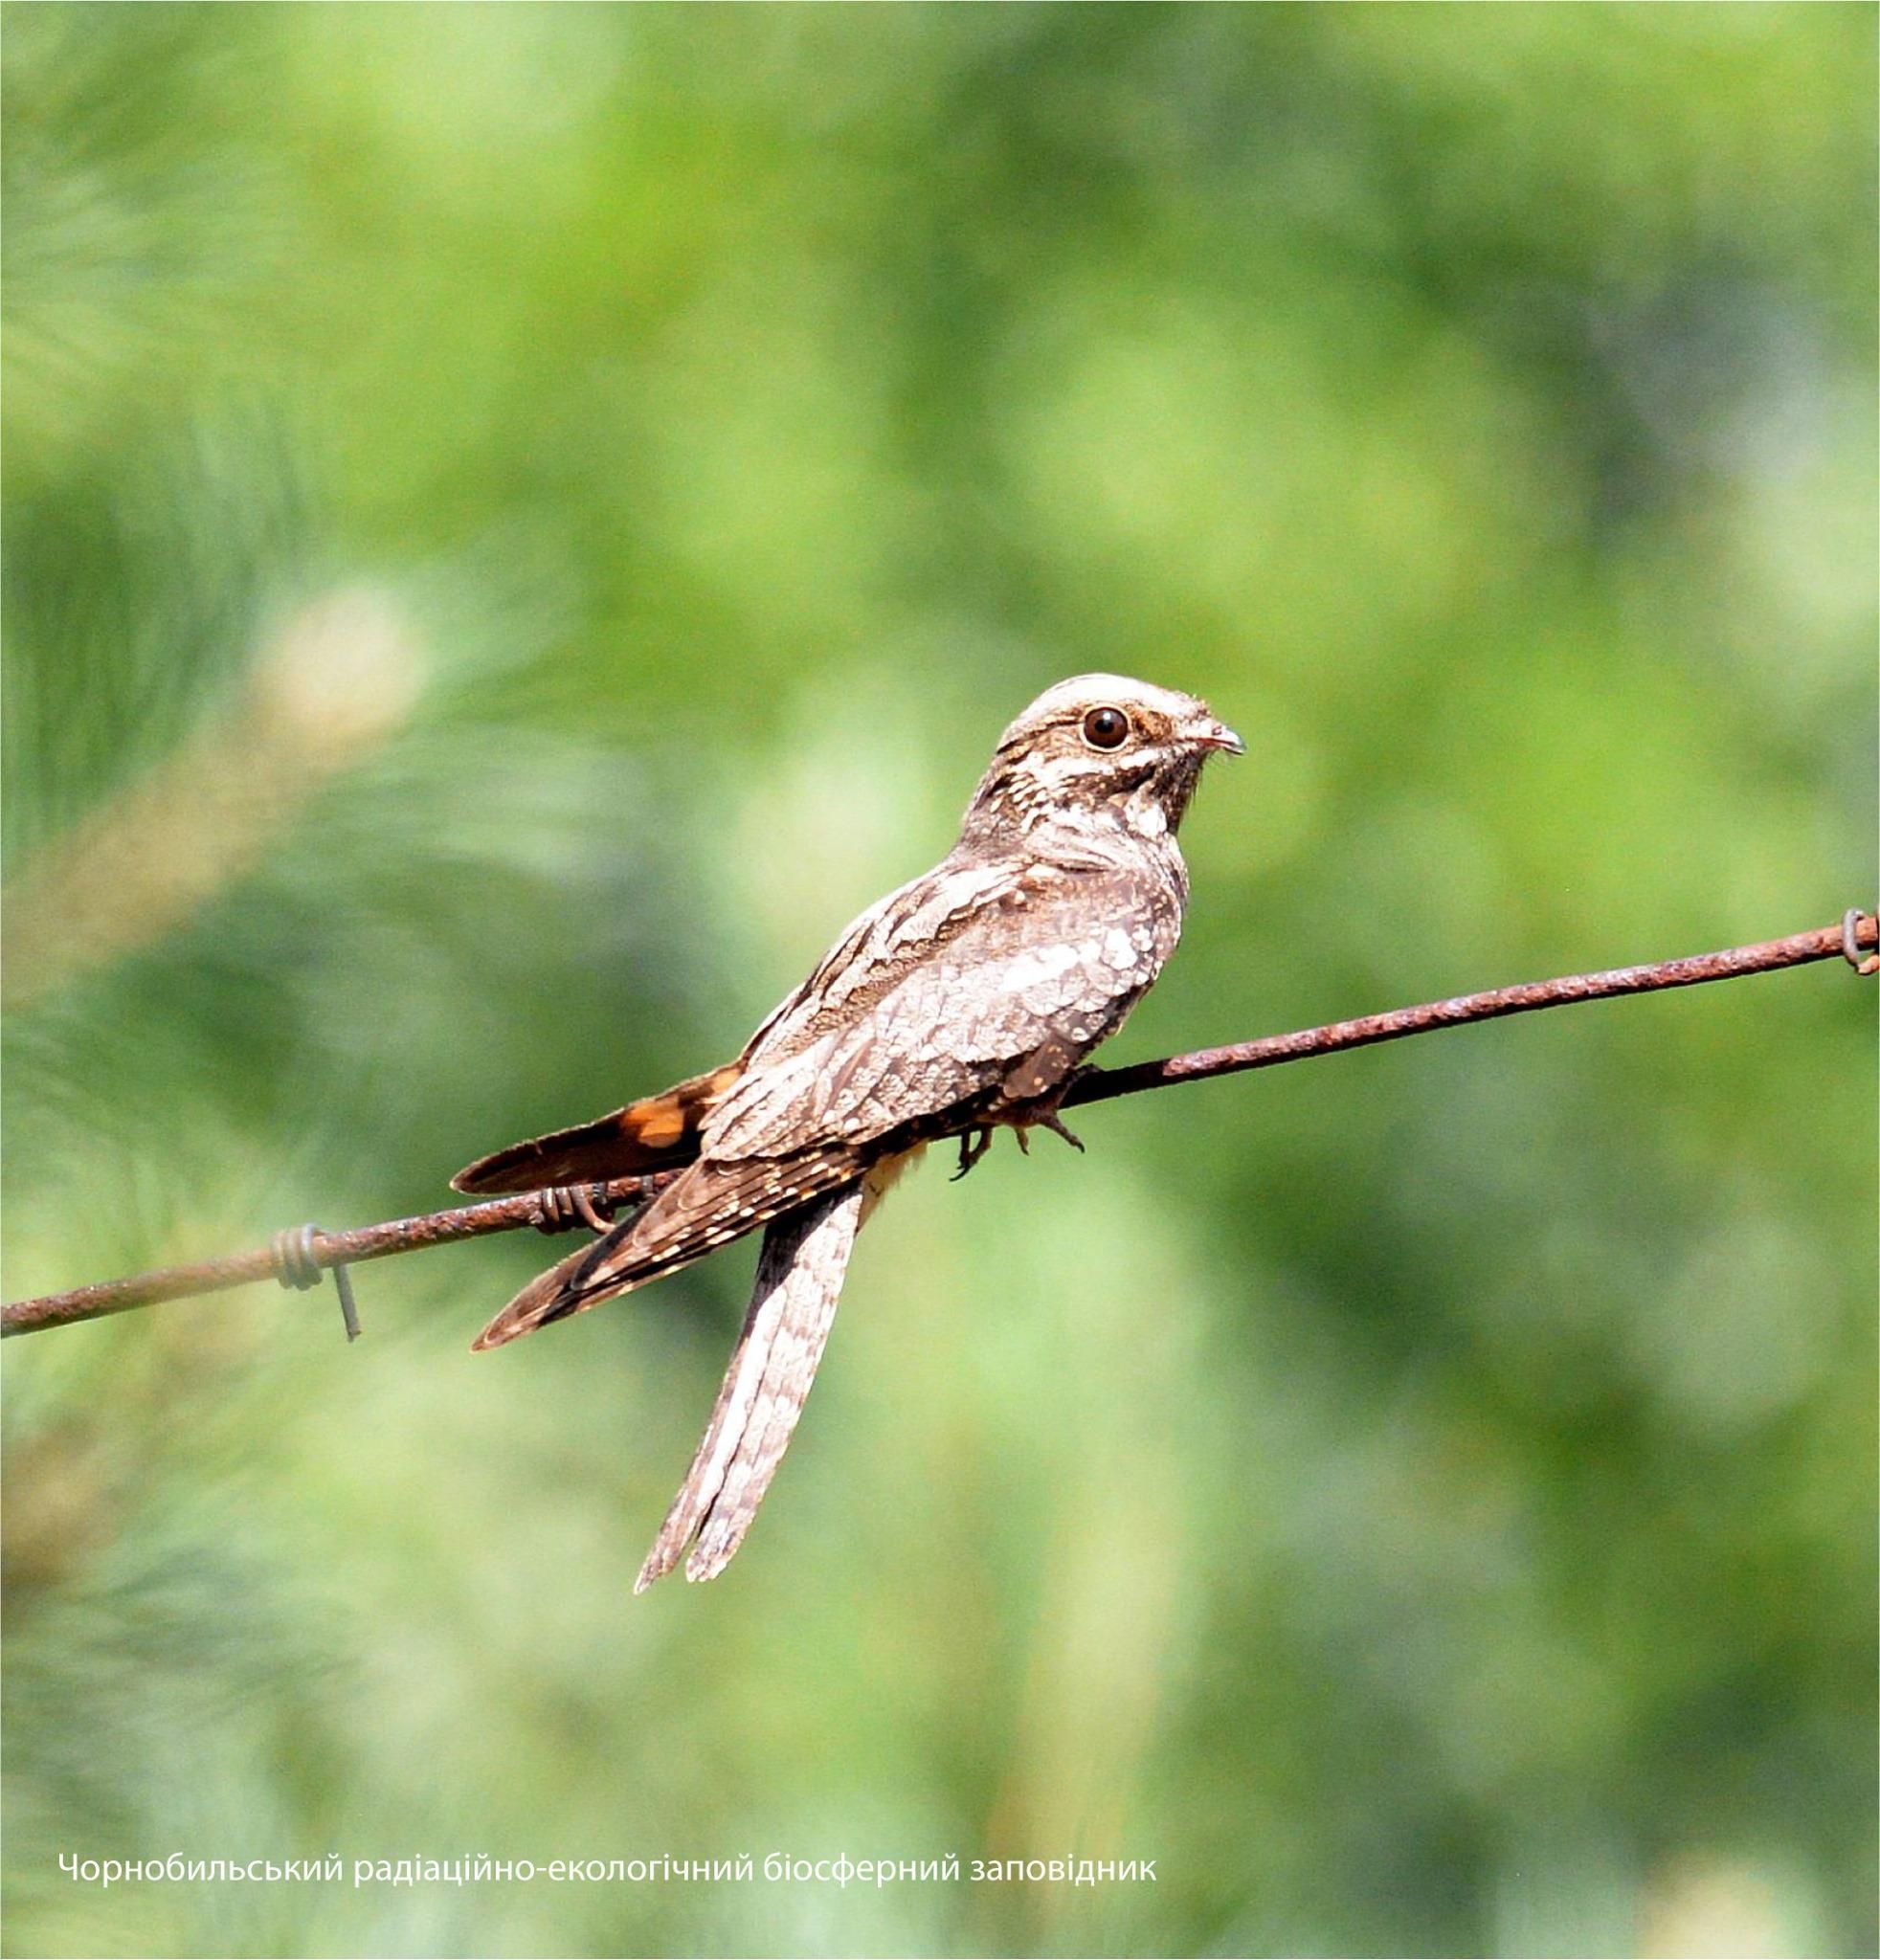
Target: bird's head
1102,748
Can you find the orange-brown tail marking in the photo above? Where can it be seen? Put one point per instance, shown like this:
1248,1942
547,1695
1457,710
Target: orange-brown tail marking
656,1134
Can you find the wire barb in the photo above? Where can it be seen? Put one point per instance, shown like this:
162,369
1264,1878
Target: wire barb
294,1257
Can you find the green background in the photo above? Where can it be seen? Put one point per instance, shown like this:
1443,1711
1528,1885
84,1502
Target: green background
520,522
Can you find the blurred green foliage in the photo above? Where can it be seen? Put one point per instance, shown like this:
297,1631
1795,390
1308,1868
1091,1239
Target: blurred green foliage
521,520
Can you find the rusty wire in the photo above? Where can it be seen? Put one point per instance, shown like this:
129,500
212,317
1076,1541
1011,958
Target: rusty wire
314,1251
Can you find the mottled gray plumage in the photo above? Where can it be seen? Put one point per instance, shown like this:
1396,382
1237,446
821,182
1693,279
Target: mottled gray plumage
799,1280
963,1001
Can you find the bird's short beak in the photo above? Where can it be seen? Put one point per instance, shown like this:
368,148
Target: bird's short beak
1210,734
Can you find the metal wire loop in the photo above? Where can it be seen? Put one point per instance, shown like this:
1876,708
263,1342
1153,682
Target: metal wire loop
295,1265
1851,944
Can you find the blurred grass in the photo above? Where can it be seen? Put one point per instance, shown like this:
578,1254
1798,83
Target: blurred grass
1425,1502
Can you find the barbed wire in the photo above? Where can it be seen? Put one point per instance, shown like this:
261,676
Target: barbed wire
297,1257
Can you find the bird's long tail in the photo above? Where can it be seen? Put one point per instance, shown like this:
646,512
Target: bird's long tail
799,1280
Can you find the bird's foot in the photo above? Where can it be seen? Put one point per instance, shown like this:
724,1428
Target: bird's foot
971,1147
1050,1119
564,1205
1056,1124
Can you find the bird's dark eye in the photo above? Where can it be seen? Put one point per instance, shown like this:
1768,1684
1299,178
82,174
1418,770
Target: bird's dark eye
1105,727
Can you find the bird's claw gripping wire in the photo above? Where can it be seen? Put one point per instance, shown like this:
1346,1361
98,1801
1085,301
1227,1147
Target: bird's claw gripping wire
563,1206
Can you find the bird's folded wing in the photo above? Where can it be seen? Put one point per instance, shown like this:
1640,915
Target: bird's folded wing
799,1280
1052,957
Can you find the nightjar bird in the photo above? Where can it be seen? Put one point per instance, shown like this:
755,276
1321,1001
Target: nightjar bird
961,1003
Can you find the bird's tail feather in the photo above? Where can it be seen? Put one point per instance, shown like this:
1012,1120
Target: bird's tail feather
799,1280
709,1205
656,1134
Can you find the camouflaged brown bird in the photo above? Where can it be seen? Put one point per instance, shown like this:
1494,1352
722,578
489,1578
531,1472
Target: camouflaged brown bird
963,1002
